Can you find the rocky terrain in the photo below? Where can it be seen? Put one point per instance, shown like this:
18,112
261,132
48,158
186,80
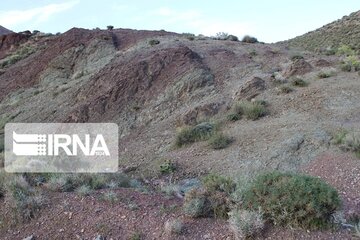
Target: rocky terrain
151,83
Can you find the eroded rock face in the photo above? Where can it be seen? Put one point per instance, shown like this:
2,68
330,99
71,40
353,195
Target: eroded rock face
321,63
251,89
193,116
298,67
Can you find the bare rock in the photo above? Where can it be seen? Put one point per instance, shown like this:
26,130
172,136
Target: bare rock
198,113
251,89
298,67
321,63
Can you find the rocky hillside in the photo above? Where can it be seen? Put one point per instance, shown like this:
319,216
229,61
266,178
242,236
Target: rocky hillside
331,36
274,107
4,31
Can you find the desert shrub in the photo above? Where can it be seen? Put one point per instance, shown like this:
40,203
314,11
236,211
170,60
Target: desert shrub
233,117
249,39
285,89
154,42
296,57
189,36
345,50
298,82
324,75
110,27
83,190
214,182
167,167
245,224
200,132
252,110
109,196
20,54
233,38
220,141
329,52
22,199
174,226
346,67
292,199
221,36
352,141
196,204
253,53
340,136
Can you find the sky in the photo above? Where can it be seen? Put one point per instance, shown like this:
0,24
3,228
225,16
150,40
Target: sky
267,20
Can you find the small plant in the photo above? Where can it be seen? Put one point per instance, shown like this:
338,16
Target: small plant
352,142
200,132
285,89
195,206
340,136
214,182
167,167
292,199
350,63
110,196
232,38
345,50
233,117
154,42
298,82
220,141
110,27
245,224
249,39
253,110
135,236
174,226
83,190
189,36
221,36
296,57
253,53
324,75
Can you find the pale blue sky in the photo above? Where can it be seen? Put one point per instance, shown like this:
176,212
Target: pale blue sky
267,20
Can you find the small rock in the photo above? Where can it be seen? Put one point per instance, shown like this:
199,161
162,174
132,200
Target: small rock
29,238
99,237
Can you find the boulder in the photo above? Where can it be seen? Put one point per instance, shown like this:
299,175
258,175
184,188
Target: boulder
298,67
250,89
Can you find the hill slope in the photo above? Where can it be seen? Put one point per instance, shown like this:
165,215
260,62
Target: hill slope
343,31
4,31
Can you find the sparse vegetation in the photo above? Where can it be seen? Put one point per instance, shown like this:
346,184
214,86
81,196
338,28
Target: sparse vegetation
83,190
110,27
233,117
253,110
345,50
221,36
324,74
340,136
21,53
220,141
167,167
110,196
285,89
249,39
232,38
292,199
189,36
174,226
350,63
348,141
154,42
200,132
296,57
245,224
298,82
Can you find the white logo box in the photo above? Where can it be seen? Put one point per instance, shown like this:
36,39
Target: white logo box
61,147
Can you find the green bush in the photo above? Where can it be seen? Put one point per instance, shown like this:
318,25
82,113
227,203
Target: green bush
110,27
296,57
167,167
220,141
154,42
214,182
200,132
345,50
351,63
292,199
324,75
249,39
253,110
298,82
232,38
233,117
346,67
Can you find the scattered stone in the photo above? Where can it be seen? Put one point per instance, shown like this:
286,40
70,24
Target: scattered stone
29,238
99,237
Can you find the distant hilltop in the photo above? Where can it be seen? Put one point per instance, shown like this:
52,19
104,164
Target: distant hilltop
4,31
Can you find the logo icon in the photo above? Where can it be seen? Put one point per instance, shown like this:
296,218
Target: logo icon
61,147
